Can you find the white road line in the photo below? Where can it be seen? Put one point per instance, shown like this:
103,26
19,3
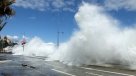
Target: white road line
53,65
107,71
96,70
4,61
93,74
59,70
37,57
63,72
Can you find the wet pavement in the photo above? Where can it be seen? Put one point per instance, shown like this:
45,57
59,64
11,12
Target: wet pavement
11,65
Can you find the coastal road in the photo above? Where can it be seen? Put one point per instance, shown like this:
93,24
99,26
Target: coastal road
11,65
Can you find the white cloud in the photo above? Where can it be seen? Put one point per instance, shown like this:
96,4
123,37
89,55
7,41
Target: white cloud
70,2
121,4
40,5
58,3
68,9
63,5
13,38
43,5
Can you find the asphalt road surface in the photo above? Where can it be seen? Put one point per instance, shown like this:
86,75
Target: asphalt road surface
37,66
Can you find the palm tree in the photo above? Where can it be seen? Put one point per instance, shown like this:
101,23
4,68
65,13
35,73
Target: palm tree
6,11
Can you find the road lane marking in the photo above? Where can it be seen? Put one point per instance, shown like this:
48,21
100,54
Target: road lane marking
59,70
107,71
63,72
37,57
93,74
5,61
53,65
95,70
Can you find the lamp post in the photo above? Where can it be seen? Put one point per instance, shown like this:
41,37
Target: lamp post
58,38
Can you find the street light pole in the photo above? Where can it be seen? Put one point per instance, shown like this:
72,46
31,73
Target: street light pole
58,38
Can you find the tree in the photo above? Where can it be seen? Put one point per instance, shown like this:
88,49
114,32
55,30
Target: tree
6,11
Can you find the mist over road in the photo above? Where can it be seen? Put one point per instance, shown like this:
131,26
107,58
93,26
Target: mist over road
37,66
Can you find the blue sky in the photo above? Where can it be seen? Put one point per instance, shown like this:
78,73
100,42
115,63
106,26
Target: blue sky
42,18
